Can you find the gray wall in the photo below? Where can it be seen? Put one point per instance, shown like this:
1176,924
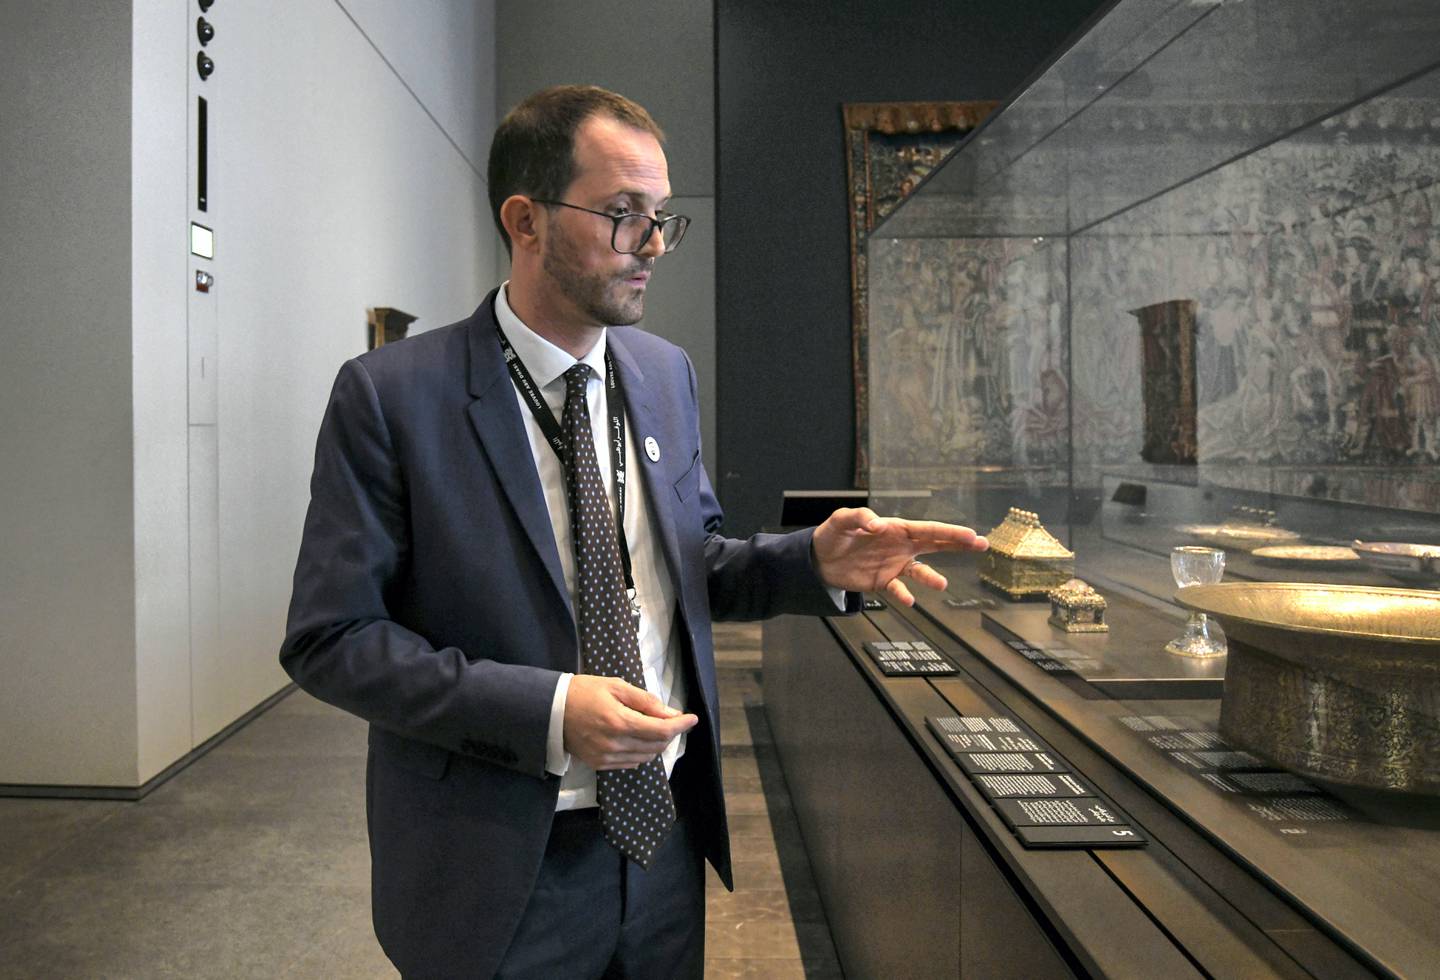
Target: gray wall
67,644
152,517
661,54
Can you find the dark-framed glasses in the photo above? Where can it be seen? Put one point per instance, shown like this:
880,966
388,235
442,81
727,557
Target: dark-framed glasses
632,231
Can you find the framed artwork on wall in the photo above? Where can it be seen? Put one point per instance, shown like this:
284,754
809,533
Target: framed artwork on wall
889,148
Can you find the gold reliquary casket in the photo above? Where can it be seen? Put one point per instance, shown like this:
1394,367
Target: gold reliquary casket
1076,607
1025,561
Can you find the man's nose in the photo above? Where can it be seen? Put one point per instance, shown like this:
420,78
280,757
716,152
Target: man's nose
655,244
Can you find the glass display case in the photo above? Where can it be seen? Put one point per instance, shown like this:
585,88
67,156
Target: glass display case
1184,292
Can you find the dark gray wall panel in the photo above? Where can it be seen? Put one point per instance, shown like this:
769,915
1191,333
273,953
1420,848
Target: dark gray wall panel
786,411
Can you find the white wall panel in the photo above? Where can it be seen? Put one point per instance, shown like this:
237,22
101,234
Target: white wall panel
145,562
444,50
67,654
160,67
338,193
212,676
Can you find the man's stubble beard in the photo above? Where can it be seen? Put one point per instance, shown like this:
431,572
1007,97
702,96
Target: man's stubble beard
595,292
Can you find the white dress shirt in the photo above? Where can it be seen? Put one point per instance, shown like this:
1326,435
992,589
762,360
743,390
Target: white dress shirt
658,637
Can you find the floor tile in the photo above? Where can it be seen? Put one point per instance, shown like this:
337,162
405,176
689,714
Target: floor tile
32,830
751,938
765,904
285,734
244,847
103,926
741,784
753,969
737,802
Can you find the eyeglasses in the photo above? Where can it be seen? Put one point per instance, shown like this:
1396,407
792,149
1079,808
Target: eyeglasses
632,231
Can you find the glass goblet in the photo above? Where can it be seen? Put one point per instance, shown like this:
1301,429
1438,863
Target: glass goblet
1197,566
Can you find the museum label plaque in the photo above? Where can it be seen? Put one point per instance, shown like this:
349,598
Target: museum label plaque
1030,786
1087,811
1061,837
1018,785
902,658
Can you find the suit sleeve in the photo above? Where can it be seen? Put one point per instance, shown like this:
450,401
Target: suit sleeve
341,643
764,575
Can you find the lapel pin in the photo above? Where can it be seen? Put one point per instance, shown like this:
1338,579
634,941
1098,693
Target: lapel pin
652,449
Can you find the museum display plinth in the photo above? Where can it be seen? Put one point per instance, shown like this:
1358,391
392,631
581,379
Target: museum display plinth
1245,869
1180,296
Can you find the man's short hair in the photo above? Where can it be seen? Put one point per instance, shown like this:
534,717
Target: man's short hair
533,152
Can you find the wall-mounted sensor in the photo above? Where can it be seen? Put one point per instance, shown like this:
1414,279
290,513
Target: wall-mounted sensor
203,281
205,65
203,30
206,4
202,241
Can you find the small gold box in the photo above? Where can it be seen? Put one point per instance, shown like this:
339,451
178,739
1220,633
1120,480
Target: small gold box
1025,561
1076,607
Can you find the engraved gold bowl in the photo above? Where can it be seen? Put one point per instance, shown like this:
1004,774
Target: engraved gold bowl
1341,683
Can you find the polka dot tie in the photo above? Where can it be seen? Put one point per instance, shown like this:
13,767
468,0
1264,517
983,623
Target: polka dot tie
636,808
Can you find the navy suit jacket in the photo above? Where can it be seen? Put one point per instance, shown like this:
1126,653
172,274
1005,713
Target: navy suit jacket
429,600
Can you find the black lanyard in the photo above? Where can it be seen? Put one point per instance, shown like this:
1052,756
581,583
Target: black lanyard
545,418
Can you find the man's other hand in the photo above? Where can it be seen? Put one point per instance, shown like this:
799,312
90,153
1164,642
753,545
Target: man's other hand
859,551
610,724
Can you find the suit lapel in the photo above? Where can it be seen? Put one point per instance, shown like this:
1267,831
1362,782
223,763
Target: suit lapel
496,417
644,421
665,508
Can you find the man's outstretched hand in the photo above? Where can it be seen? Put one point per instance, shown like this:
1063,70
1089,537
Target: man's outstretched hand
858,551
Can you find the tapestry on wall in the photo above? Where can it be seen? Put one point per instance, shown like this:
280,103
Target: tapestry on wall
889,148
1314,265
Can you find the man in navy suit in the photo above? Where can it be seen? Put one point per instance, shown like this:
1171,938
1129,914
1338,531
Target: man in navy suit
435,594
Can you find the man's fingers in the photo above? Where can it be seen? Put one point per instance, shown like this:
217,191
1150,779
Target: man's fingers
937,536
918,571
610,724
657,730
968,542
899,592
642,740
853,519
640,700
923,536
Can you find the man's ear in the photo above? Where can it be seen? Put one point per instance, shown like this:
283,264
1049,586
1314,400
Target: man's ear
517,214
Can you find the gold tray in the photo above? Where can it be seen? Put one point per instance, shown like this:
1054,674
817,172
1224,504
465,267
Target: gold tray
1415,563
1303,555
1337,682
1239,537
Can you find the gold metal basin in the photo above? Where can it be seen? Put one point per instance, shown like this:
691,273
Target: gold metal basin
1337,682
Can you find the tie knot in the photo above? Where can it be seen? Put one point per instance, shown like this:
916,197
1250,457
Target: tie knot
577,377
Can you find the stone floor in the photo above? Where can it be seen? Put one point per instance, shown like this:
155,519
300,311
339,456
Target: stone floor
253,862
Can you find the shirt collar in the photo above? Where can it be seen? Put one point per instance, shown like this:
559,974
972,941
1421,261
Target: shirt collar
545,362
